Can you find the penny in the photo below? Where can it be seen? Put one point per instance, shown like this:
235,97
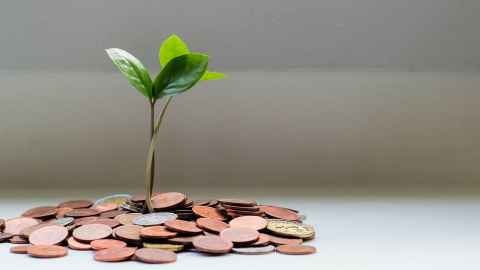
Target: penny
75,204
74,244
2,224
16,225
284,241
235,213
241,208
212,244
207,212
112,214
170,247
240,235
84,221
62,210
90,232
183,226
154,218
127,219
5,236
168,200
291,229
17,239
263,240
157,232
49,235
296,249
253,222
182,240
40,212
201,202
254,250
112,223
20,249
152,255
281,213
239,202
128,232
118,199
105,207
64,221
29,230
107,243
81,212
46,251
140,198
212,225
114,254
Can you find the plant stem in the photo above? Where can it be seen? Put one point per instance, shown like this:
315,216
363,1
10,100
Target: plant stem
149,180
152,123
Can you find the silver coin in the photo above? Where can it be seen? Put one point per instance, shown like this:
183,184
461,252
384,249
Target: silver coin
118,199
64,221
154,218
254,250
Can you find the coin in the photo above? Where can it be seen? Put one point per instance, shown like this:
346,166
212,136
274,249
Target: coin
62,210
112,223
263,240
154,218
105,207
212,225
254,250
235,213
16,225
140,197
201,202
291,229
74,244
17,239
84,221
49,235
183,226
238,202
107,243
5,236
45,251
20,249
296,249
168,200
127,219
152,255
212,244
64,221
207,212
128,232
112,214
81,212
29,230
240,235
40,212
284,241
281,213
170,247
90,232
75,204
157,232
131,208
253,222
182,240
114,254
241,208
118,199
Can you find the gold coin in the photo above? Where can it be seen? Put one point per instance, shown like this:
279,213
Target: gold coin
170,247
290,228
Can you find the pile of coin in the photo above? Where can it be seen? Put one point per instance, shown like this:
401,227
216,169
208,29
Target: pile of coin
118,228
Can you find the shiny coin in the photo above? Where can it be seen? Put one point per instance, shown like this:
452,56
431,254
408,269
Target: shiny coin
41,212
207,212
105,207
128,232
42,251
75,204
157,232
82,212
182,226
64,221
152,255
281,213
112,214
114,254
284,241
170,247
16,225
240,235
20,249
291,229
154,218
238,202
5,236
107,243
252,222
296,249
212,225
254,250
49,235
118,199
212,244
168,200
127,219
90,232
76,245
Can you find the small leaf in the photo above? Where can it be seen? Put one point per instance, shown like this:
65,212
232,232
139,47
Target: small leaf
180,74
132,69
172,47
211,75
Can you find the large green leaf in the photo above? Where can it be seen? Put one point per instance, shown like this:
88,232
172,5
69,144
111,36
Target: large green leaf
180,74
171,47
211,75
132,69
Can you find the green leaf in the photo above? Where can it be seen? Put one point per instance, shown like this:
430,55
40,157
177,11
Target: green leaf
132,69
180,74
211,75
171,47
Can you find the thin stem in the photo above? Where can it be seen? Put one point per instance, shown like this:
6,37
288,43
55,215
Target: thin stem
149,181
151,152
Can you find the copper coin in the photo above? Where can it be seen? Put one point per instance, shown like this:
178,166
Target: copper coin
62,210
107,243
127,219
114,254
207,212
252,222
112,214
5,236
20,249
168,200
112,223
281,213
212,225
201,202
263,240
140,198
40,212
235,213
81,212
182,226
254,250
128,232
2,224
29,230
240,235
296,249
105,207
284,241
212,244
239,202
17,239
182,240
157,232
84,221
241,208
74,244
90,232
43,251
16,225
153,255
49,235
76,204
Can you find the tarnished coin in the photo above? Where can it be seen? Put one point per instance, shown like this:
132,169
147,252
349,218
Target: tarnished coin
114,254
296,249
127,219
107,243
212,244
5,236
281,213
82,212
118,199
40,212
105,207
128,232
252,222
154,218
16,225
207,212
168,200
49,235
170,247
43,251
2,224
157,232
212,225
291,229
17,239
62,210
112,214
284,241
84,221
64,221
76,245
240,235
90,232
75,204
239,202
263,240
152,255
20,249
254,250
182,226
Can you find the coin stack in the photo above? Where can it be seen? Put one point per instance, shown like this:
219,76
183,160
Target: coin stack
117,228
